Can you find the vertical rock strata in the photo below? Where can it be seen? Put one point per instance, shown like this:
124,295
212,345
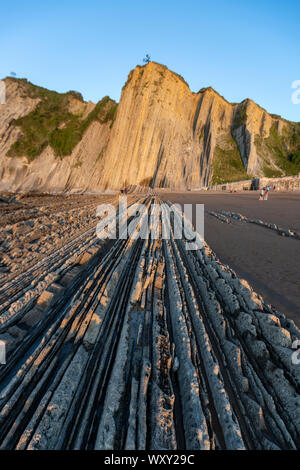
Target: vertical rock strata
163,135
141,344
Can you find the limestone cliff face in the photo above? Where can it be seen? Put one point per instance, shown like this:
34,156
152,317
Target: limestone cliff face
17,105
47,172
162,135
252,127
166,136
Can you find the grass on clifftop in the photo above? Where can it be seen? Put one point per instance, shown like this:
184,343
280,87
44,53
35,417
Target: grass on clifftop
227,164
51,122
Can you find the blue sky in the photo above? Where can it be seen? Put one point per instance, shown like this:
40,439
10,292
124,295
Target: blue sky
242,49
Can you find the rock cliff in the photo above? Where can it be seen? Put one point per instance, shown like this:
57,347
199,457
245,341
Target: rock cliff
50,142
161,135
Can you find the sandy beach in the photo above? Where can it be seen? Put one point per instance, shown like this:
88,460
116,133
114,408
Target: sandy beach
268,261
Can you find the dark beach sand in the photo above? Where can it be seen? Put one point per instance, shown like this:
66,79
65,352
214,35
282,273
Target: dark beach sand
269,262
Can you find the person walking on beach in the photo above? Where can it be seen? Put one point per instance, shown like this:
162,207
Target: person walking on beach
267,193
262,194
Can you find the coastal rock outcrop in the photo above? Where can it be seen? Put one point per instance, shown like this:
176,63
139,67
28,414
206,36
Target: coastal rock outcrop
161,134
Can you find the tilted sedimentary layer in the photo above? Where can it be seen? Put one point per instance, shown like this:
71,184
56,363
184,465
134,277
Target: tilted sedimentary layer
162,135
50,141
226,217
143,344
166,136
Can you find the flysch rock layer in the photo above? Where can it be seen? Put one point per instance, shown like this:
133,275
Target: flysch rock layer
47,172
164,135
143,344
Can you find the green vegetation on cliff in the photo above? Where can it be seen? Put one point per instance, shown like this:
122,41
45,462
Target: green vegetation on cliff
240,116
52,123
283,150
227,163
65,139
